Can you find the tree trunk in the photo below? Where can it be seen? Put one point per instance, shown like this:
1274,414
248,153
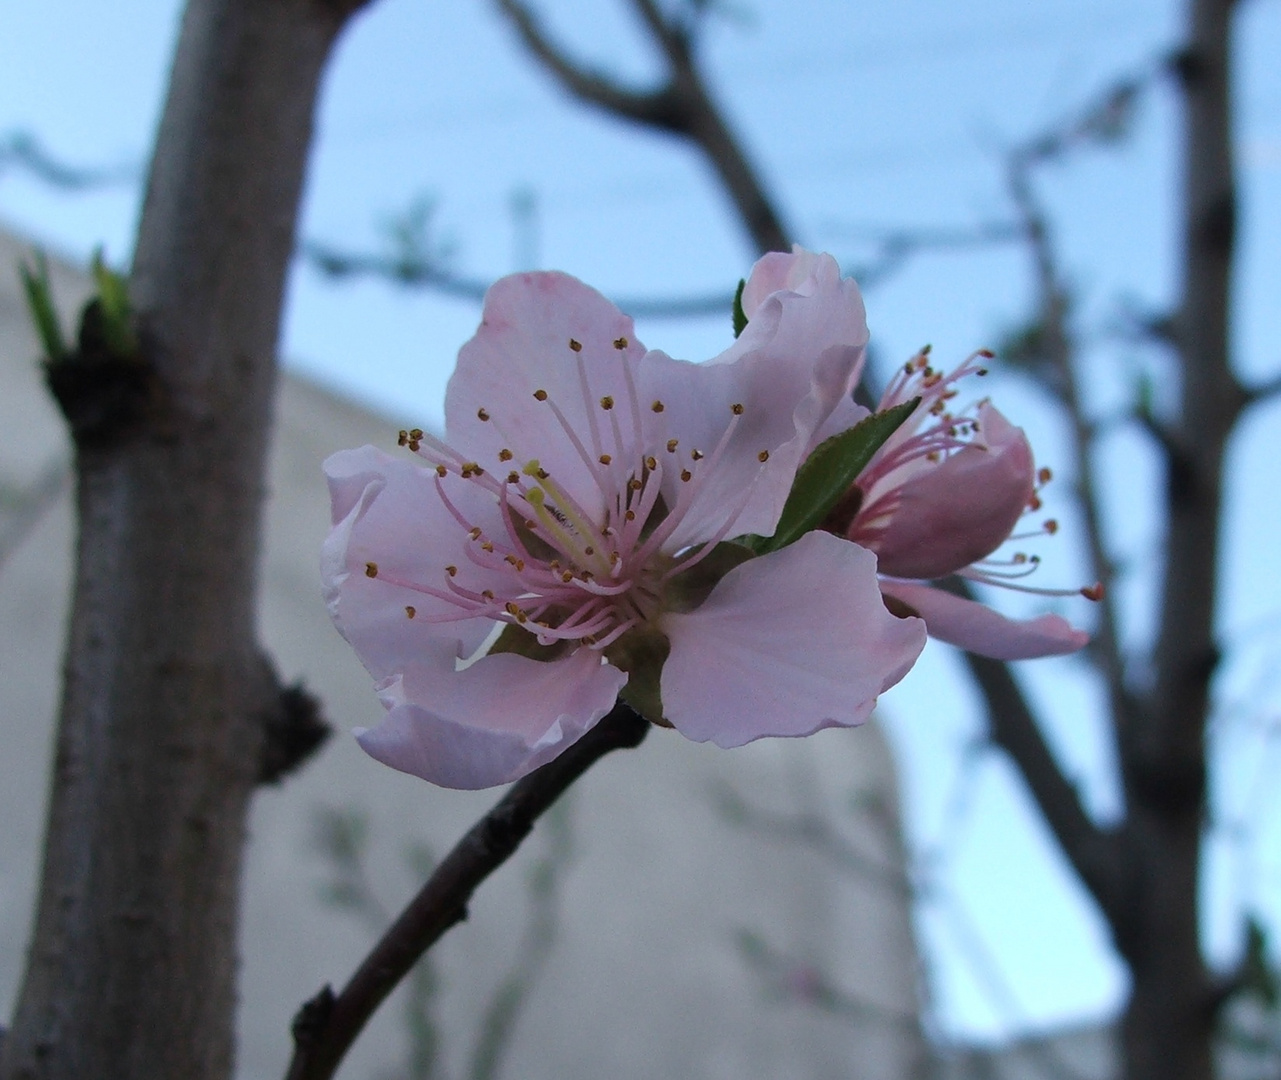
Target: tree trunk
131,970
1169,1023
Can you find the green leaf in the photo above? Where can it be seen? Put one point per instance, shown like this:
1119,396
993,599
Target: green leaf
828,474
35,280
740,318
113,297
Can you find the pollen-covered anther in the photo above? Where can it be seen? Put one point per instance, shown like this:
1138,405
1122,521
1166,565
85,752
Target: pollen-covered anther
737,408
658,406
474,532
696,454
1034,503
763,456
1044,475
402,438
672,444
686,475
540,395
1051,526
371,569
605,459
487,545
413,445
481,414
513,477
607,403
470,469
589,551
651,463
629,515
441,470
634,485
614,558
452,571
416,434
577,346
488,594
505,455
1093,592
620,343
410,611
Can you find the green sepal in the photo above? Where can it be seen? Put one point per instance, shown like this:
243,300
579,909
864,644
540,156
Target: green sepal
35,282
828,475
688,589
516,639
116,326
740,318
641,653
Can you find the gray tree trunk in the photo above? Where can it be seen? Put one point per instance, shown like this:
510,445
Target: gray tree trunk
131,969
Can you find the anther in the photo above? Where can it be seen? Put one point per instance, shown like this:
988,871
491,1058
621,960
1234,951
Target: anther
671,445
505,455
513,477
416,434
481,414
686,475
371,569
540,395
696,454
487,545
763,456
736,408
1044,476
1093,592
630,515
589,551
620,343
577,346
441,470
651,463
658,406
634,485
452,571
402,438
605,459
987,354
488,594
1051,526
410,610
474,532
607,403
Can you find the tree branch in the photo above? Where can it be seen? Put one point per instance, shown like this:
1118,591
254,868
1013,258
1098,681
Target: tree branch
1096,854
327,1025
682,106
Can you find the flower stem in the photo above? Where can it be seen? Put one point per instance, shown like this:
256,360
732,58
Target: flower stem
327,1024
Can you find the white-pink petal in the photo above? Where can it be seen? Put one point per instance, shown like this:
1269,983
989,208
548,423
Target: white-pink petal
786,644
492,722
525,344
978,629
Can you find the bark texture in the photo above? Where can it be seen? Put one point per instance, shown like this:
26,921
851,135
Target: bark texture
166,697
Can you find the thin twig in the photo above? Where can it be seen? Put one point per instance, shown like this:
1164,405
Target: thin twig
327,1025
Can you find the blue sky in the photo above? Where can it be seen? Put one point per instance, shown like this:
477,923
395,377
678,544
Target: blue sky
862,117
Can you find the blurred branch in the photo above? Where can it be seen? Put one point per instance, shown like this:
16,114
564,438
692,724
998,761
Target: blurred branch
24,150
1261,392
328,1024
1094,853
1059,353
21,508
681,105
428,273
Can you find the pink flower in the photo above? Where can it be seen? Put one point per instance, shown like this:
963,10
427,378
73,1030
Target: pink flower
583,485
939,497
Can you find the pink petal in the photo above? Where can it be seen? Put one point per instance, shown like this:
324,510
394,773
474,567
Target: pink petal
523,346
492,722
786,644
794,366
977,628
795,271
387,512
959,511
